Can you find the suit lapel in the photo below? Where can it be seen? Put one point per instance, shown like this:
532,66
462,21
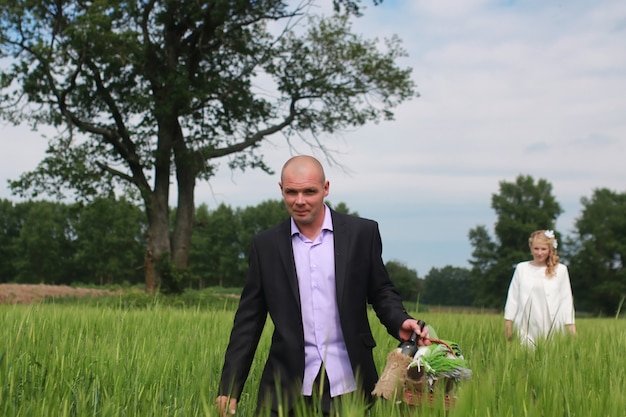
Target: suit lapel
285,252
342,242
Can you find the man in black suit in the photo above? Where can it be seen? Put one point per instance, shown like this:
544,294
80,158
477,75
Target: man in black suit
314,274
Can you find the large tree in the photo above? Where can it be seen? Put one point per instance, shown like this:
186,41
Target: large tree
597,252
149,92
522,207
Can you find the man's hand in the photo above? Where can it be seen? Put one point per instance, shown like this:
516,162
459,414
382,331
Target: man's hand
411,325
226,406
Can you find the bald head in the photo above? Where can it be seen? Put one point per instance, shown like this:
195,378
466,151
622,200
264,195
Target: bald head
303,165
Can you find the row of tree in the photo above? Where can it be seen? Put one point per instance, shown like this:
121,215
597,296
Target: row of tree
104,242
56,243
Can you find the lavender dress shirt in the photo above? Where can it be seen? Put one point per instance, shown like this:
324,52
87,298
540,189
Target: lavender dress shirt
324,344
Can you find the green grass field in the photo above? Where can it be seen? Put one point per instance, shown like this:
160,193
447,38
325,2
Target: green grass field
76,360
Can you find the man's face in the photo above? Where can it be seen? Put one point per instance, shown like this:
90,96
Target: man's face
304,191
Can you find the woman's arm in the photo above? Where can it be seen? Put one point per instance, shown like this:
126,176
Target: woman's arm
508,329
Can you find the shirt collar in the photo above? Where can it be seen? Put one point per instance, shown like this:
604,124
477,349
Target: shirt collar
326,225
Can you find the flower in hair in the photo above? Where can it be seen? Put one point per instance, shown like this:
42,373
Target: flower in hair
550,235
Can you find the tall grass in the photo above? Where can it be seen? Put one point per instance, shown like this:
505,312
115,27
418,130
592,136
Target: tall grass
64,360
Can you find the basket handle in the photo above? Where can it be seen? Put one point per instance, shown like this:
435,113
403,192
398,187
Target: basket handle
441,342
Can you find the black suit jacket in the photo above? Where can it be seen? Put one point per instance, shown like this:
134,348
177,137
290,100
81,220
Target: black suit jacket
272,287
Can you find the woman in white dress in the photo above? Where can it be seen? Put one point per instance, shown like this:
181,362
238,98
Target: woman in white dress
539,302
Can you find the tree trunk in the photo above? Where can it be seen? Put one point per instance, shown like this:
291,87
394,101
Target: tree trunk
185,213
158,249
150,276
188,165
168,255
158,236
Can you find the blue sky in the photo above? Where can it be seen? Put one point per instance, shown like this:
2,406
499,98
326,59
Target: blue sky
507,88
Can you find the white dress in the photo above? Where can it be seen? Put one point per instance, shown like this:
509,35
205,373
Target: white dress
539,306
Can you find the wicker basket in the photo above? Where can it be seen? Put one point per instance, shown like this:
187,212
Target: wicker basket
427,399
418,392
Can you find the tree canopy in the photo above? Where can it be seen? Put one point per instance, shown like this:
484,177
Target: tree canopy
597,251
148,93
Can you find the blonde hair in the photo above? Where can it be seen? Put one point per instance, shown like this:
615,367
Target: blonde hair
540,236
